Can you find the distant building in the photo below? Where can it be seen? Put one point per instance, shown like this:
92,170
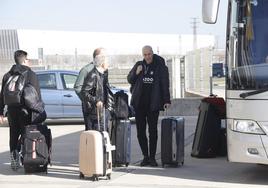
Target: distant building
9,43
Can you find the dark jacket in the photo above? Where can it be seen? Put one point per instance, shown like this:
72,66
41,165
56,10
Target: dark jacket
34,104
94,90
160,91
31,79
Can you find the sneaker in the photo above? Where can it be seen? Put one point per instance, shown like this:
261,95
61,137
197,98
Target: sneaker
153,162
14,160
145,161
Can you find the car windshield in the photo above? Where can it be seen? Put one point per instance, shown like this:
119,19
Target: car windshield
249,68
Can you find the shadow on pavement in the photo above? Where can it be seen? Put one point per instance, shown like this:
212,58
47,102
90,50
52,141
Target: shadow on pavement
65,164
213,169
65,157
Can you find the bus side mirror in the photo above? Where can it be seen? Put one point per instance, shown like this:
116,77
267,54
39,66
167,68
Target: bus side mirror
210,11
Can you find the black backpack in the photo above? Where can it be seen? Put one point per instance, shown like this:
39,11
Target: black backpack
13,89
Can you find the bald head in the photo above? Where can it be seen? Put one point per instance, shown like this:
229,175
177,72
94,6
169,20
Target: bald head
147,53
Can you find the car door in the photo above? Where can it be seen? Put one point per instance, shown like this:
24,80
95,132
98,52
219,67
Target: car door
71,103
51,95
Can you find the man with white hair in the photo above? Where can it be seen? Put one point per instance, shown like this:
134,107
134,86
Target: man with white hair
149,81
91,86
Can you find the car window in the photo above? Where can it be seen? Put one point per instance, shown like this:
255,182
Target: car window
68,80
47,81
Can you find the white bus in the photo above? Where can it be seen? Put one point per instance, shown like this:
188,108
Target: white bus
246,77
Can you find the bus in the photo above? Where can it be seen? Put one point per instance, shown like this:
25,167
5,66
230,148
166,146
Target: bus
246,77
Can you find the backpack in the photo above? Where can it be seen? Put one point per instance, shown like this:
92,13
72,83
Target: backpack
13,89
121,109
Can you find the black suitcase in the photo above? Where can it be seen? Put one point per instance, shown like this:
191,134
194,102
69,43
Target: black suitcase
36,148
222,143
121,138
205,144
172,141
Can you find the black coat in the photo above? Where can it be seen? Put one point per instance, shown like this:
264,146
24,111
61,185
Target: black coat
94,89
160,90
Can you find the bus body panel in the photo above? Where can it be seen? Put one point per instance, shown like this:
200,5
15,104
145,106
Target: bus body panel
239,143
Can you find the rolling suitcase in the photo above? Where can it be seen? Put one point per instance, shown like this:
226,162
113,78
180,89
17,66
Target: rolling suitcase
121,138
218,103
205,144
172,141
95,158
222,143
36,148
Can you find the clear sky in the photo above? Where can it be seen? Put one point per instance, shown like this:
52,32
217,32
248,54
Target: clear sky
123,16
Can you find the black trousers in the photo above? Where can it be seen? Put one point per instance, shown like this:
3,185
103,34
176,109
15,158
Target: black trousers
142,118
17,119
91,121
88,120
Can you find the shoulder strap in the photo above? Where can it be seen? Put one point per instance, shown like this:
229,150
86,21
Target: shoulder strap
26,76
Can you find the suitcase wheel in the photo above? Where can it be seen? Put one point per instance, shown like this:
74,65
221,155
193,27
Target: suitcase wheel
35,169
81,175
95,178
109,176
127,164
182,163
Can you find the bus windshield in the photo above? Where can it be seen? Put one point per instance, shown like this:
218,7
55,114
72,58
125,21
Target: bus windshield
248,69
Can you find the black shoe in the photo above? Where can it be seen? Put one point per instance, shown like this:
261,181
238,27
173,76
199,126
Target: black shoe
153,162
145,161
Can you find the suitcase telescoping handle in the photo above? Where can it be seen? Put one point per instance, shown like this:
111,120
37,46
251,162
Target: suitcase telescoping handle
99,109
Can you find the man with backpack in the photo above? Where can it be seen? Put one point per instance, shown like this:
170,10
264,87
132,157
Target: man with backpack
13,84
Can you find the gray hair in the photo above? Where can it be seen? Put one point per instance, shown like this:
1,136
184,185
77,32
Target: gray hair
147,47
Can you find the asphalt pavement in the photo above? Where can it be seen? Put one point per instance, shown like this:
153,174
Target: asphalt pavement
64,172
